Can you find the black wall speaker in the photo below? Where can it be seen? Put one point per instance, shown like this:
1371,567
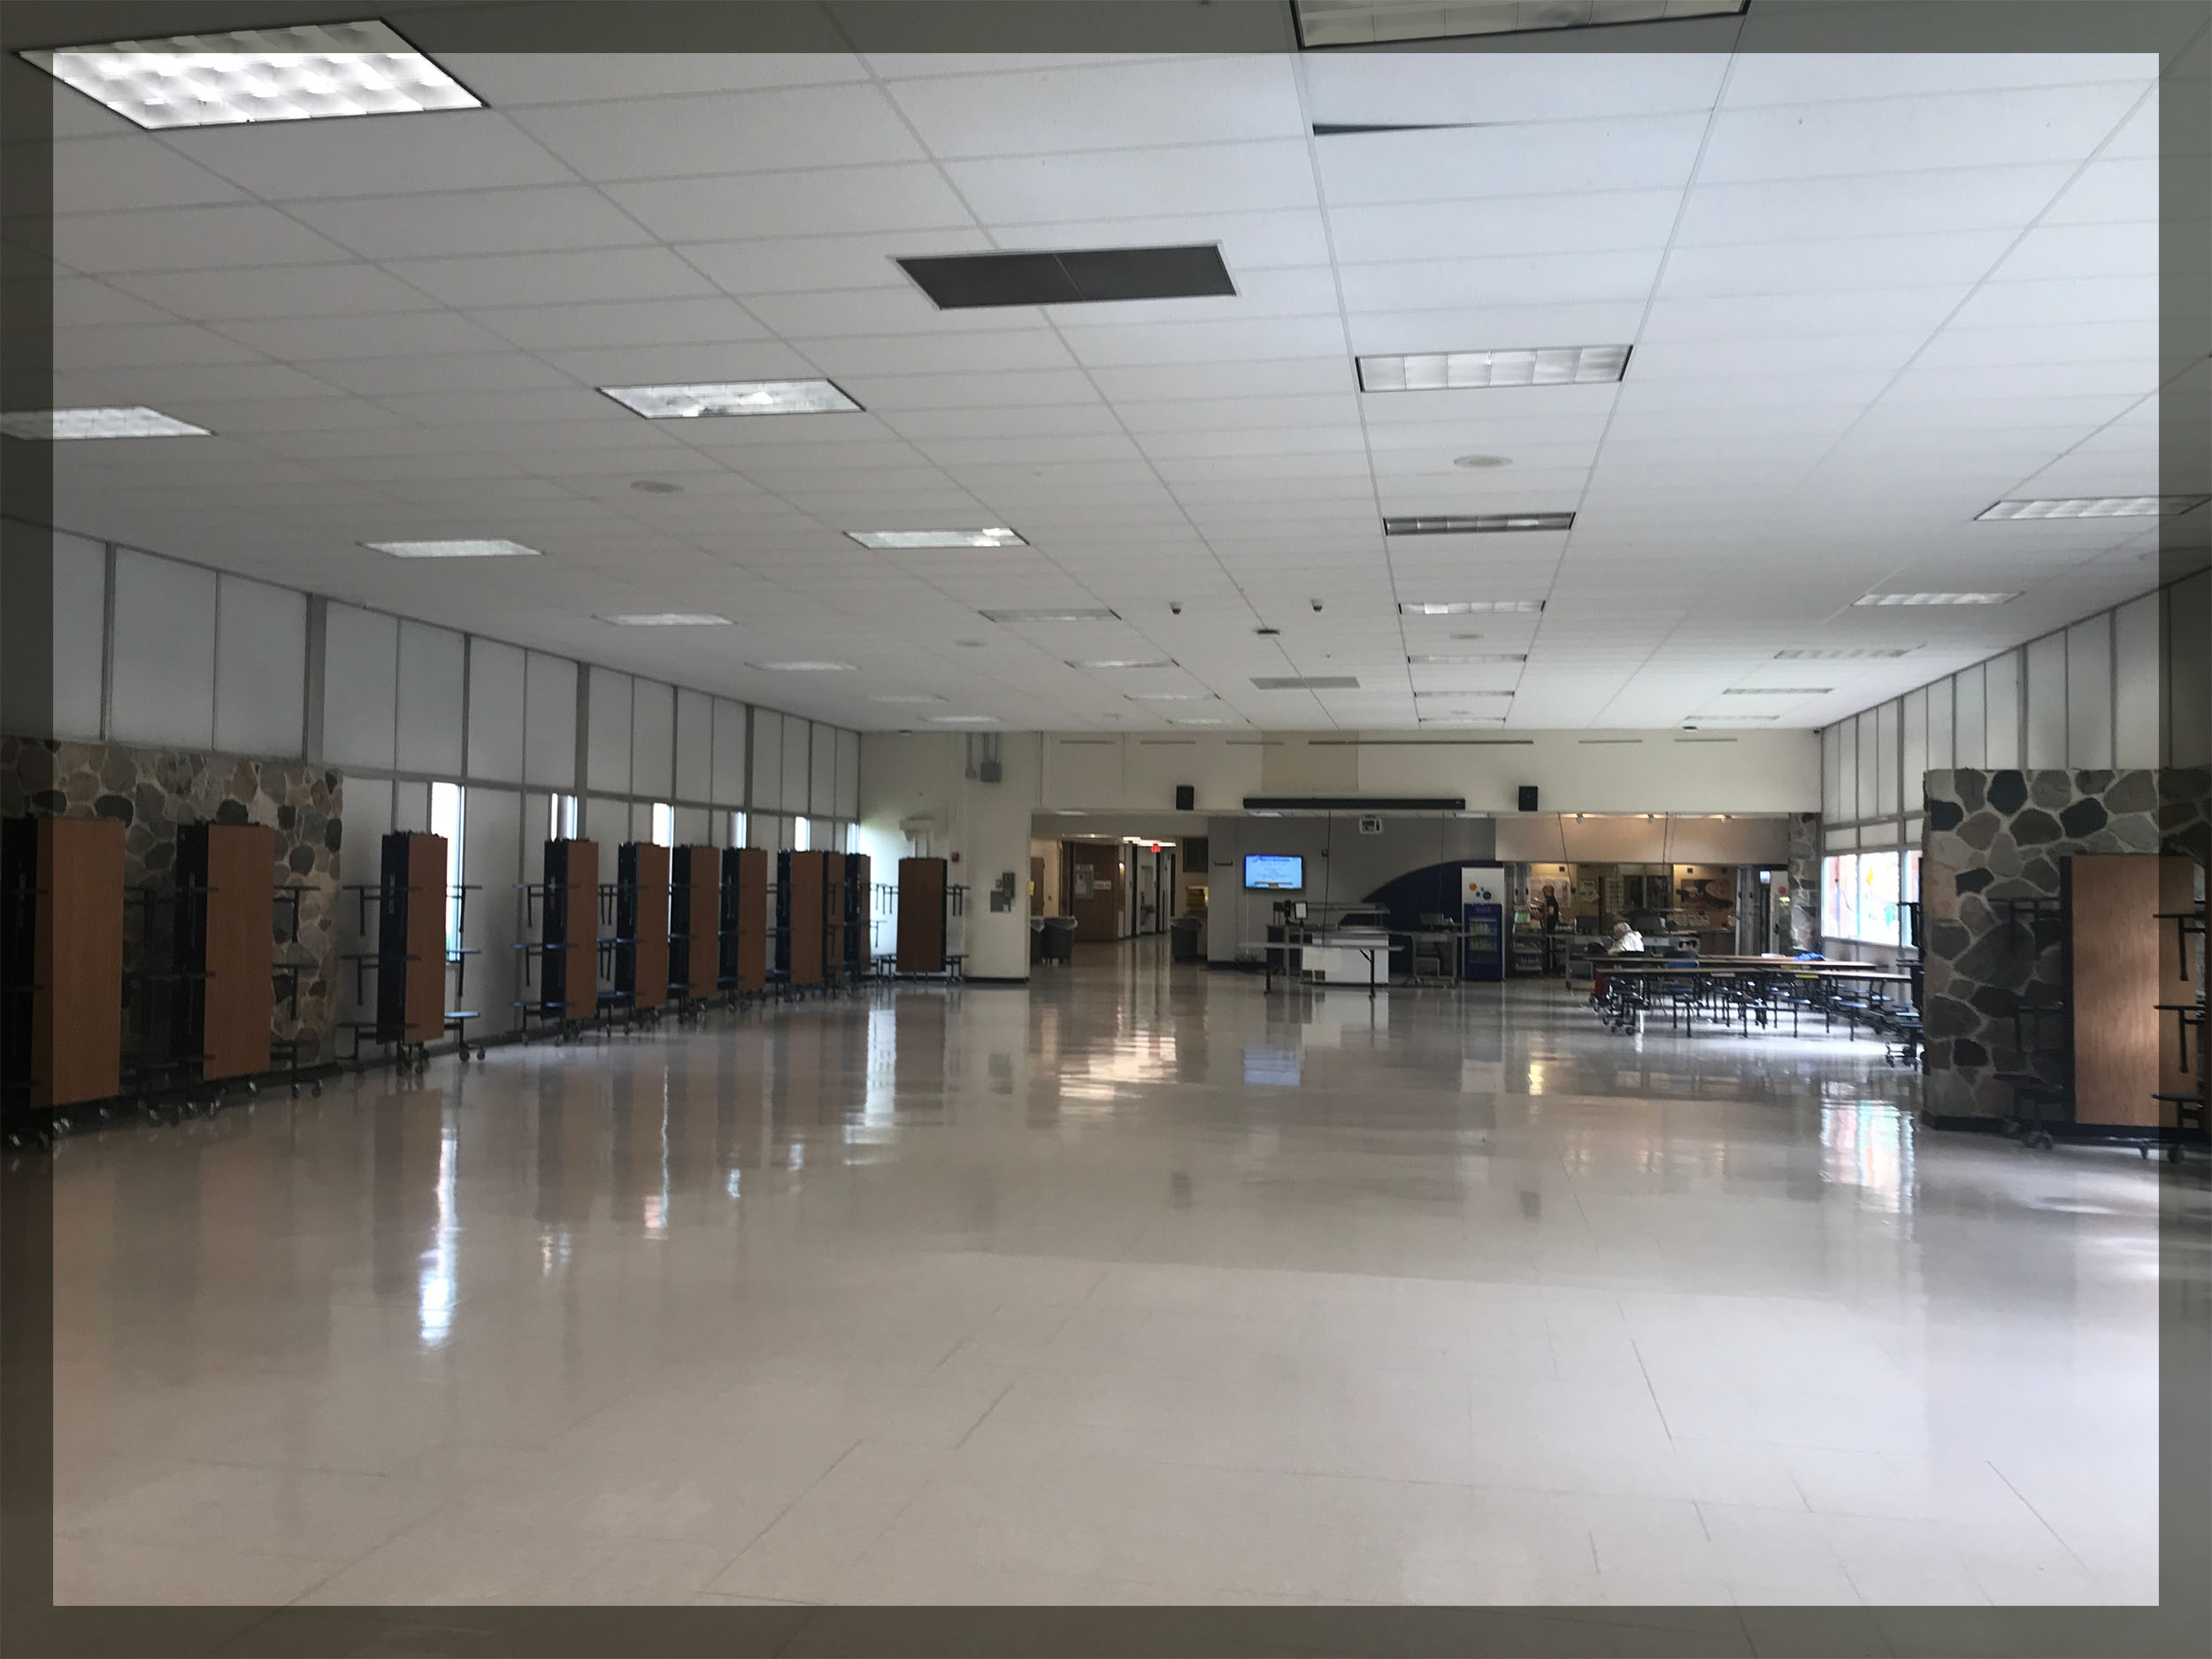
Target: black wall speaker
1528,797
1186,797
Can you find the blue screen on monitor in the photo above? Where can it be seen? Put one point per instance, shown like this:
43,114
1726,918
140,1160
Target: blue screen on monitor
1274,872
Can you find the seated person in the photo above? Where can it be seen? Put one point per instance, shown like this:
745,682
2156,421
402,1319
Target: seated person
1626,940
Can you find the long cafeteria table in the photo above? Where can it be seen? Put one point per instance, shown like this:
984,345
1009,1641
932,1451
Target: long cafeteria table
1708,976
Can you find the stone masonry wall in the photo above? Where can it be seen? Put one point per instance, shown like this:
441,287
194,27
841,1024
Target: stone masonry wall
1991,837
155,792
1805,881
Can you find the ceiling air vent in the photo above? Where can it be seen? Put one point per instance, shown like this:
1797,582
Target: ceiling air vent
967,281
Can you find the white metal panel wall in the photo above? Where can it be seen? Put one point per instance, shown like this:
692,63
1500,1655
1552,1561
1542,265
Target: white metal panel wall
695,747
550,722
729,754
796,765
2000,712
2188,739
1915,749
1939,728
260,668
80,626
2047,701
695,826
1887,720
607,744
767,793
1870,765
163,686
433,699
410,806
495,705
607,821
1969,717
849,775
2089,693
822,791
653,741
360,688
2136,658
1832,793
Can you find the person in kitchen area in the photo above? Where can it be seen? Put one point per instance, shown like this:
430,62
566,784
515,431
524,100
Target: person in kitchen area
1626,940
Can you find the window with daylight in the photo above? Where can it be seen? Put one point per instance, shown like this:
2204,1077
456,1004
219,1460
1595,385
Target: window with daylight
1862,894
664,824
801,837
447,817
737,829
562,825
1840,896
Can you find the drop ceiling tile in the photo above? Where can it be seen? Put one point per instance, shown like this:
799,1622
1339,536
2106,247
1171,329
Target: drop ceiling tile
474,371
176,389
1527,280
1263,379
153,345
516,79
1484,326
843,201
187,238
1877,205
453,223
103,175
1099,106
807,265
581,274
406,334
510,407
1265,339
1828,267
1507,89
833,125
894,394
2061,252
1648,153
307,161
277,291
928,425
613,324
2110,192
1759,317
1793,78
1937,131
1132,183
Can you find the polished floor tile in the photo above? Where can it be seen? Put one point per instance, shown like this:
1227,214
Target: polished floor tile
1140,1287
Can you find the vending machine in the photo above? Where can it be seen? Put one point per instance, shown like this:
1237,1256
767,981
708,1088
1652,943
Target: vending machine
1482,922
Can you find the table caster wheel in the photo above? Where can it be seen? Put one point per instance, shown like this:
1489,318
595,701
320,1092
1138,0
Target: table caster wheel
315,1089
2043,1143
2173,1154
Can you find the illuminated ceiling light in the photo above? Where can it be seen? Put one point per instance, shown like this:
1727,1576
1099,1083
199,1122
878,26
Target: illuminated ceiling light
1778,691
1095,614
59,424
2093,507
308,73
668,620
1937,599
1448,659
460,550
915,697
1469,607
1845,654
895,539
961,719
1477,524
805,667
1121,661
709,399
1467,371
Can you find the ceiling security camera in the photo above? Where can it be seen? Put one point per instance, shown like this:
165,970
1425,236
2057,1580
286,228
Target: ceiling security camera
1175,607
1316,604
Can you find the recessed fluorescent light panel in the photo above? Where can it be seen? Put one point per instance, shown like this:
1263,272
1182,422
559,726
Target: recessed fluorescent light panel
2094,507
1200,719
1122,661
1465,659
1461,719
1458,371
668,620
1478,524
1324,23
894,539
1455,696
1171,696
804,667
1470,607
1937,599
1778,691
907,697
41,425
1731,719
732,398
1853,654
312,73
1097,615
961,719
1305,682
966,281
462,549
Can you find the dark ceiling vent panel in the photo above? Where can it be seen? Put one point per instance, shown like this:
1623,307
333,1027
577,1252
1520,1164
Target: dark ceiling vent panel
966,281
1305,682
1355,803
1348,129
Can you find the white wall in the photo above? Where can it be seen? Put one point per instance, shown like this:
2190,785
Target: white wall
2086,696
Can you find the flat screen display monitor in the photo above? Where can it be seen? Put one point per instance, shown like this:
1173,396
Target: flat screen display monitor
1274,872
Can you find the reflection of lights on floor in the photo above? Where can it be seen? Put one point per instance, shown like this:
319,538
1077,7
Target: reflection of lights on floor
436,1293
733,1184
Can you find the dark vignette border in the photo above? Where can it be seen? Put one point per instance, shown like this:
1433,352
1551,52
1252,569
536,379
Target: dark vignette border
2179,30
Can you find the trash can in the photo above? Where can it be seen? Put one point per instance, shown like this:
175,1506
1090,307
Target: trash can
1182,937
1058,935
1036,940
